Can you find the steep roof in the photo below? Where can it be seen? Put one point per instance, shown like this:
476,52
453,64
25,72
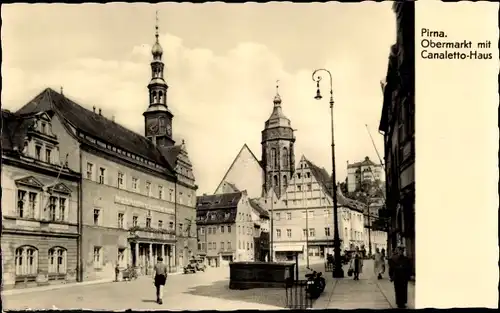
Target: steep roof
365,162
170,154
325,180
14,129
95,125
217,216
245,146
218,201
254,203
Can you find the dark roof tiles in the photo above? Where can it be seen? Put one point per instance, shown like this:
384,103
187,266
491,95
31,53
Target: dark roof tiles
218,201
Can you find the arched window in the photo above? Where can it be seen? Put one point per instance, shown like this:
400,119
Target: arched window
57,260
284,157
275,180
285,181
274,161
26,261
154,95
160,96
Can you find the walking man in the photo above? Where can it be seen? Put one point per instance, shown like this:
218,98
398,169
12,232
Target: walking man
378,264
400,273
160,278
356,264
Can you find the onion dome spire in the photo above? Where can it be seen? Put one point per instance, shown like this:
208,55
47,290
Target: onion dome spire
157,50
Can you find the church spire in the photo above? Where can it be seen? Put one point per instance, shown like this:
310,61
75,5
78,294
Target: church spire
157,50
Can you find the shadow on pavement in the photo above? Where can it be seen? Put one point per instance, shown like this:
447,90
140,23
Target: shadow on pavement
148,301
220,290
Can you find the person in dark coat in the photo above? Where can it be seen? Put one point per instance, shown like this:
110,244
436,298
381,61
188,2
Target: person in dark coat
400,273
160,278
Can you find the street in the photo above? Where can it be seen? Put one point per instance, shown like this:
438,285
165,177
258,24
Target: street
207,290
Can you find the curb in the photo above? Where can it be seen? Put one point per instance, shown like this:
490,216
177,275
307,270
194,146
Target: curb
12,292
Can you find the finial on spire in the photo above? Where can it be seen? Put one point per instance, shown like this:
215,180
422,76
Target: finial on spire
156,26
277,98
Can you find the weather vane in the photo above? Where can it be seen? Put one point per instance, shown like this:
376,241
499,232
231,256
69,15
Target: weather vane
277,86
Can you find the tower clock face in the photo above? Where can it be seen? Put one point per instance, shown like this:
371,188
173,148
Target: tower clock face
153,127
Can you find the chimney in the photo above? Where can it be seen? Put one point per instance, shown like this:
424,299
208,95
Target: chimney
113,118
93,108
100,111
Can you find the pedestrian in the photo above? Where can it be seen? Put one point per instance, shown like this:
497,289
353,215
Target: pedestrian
117,271
400,273
356,264
383,258
378,264
160,278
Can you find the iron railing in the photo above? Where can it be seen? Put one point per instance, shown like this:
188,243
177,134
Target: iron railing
296,295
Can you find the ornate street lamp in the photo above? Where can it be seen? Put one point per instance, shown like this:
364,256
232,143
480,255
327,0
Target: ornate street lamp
338,272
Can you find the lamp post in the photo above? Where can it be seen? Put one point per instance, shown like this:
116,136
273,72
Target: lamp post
338,272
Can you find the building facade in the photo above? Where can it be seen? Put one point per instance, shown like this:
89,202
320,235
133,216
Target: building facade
138,192
303,217
363,171
225,228
398,125
41,204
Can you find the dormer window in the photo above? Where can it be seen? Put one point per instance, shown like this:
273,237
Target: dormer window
38,152
48,154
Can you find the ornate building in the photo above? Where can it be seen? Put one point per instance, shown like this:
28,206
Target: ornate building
138,193
278,156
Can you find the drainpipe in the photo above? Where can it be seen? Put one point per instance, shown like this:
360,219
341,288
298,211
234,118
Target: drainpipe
175,222
80,225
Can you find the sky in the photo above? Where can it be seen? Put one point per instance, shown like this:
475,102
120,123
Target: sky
222,62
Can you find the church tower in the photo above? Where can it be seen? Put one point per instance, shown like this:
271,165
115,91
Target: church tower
278,157
158,118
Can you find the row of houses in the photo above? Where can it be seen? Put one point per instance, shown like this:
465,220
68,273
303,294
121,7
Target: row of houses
82,194
297,197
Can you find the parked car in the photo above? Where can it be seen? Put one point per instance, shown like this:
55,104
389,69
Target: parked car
200,265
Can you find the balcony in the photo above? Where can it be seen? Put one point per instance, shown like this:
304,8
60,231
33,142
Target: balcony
149,233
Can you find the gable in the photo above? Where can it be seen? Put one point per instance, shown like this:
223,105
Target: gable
245,173
29,181
60,188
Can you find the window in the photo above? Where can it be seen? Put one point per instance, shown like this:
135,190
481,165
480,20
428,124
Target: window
222,229
327,231
97,257
120,220
214,244
38,152
160,224
102,173
289,215
289,233
134,183
298,174
239,229
21,198
135,220
120,180
57,260
90,169
202,231
304,232
239,244
308,174
312,232
222,245
171,225
278,233
171,195
181,230
148,222
274,159
229,245
181,198
48,153
275,180
228,228
52,208
278,216
44,128
26,261
148,189
62,209
160,192
32,201
309,186
284,157
285,180
248,246
299,188
97,216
